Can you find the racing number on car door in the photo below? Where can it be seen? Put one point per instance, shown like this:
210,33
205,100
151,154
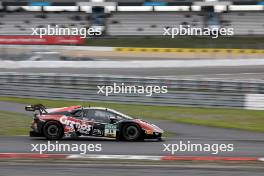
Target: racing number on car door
110,130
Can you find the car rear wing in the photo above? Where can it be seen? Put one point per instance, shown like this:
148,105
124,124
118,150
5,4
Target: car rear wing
37,107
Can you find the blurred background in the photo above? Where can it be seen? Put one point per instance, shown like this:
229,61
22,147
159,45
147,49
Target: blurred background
133,31
131,24
215,86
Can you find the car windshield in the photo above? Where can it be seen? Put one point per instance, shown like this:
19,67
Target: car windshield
121,114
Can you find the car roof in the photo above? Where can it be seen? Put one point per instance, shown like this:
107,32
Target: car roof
102,108
107,109
98,108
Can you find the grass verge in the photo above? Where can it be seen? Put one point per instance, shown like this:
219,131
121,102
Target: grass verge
14,123
251,42
225,118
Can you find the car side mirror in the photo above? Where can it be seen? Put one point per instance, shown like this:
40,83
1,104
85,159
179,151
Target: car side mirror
113,119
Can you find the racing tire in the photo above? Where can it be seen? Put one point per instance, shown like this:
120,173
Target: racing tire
53,130
131,132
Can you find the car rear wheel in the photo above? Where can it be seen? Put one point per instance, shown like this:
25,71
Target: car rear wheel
131,132
53,130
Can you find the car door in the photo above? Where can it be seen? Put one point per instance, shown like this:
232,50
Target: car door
83,125
102,124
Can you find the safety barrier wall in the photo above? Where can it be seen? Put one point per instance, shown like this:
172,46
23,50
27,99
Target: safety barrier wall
200,93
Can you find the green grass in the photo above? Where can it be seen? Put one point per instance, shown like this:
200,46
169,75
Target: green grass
226,118
14,123
181,42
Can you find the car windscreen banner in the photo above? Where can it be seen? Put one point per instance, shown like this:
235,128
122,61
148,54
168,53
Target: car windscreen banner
45,40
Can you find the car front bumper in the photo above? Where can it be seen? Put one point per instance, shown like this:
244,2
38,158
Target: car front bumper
154,135
35,134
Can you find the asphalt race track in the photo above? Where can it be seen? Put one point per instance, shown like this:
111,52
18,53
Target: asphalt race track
245,143
239,72
14,169
250,148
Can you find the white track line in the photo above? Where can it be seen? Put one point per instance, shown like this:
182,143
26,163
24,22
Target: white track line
132,64
124,157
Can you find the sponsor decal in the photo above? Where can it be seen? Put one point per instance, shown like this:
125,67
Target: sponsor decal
82,126
149,131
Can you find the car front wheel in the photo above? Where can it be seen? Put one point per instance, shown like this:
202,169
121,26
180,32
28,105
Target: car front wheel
131,132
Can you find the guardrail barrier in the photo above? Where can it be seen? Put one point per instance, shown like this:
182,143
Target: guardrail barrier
181,92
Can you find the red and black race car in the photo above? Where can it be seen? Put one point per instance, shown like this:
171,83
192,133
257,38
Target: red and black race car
75,121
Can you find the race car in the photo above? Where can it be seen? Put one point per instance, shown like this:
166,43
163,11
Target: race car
75,121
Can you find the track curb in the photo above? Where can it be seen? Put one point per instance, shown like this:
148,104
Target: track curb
125,157
190,50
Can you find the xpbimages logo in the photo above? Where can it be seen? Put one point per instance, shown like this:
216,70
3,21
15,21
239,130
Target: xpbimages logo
197,31
59,147
57,31
131,89
188,146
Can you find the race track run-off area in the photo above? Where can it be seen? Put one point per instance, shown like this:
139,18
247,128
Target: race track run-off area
246,144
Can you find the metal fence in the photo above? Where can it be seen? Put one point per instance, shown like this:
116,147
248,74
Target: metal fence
181,92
